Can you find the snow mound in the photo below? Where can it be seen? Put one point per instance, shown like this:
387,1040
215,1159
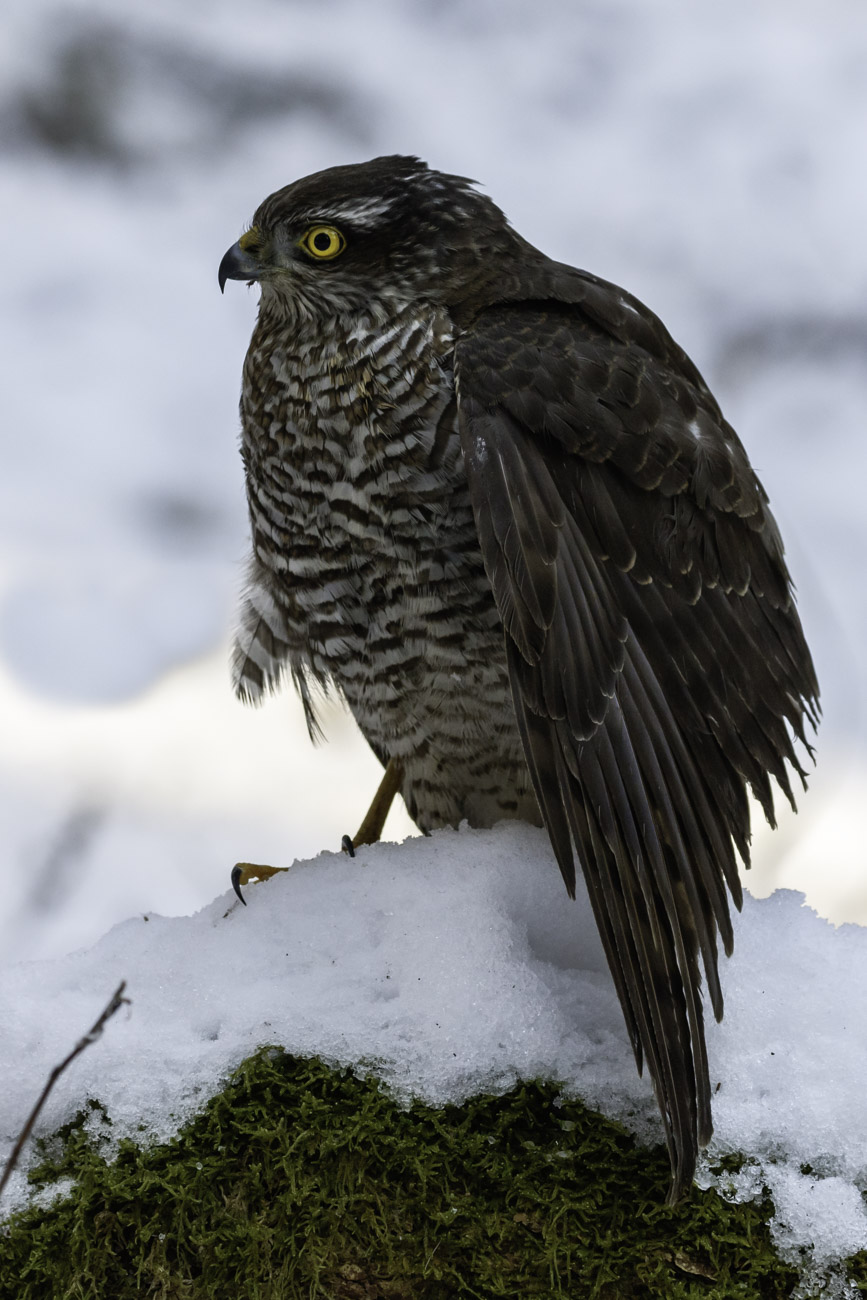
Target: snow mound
451,966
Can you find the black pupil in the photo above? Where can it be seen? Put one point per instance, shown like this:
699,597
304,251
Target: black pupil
322,242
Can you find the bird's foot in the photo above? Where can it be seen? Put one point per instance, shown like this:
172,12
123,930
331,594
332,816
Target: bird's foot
244,872
369,831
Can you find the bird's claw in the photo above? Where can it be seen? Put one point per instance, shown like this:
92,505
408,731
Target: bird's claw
347,846
237,873
244,872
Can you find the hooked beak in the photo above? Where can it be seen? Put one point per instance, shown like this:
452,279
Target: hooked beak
238,264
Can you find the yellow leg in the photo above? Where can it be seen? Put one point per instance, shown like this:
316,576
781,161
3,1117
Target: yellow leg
370,829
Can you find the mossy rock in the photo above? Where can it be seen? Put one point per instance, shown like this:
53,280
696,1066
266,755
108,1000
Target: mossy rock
300,1180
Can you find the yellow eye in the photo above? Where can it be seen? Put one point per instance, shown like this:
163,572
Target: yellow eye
323,242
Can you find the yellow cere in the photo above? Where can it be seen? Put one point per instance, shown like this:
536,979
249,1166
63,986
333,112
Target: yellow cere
251,239
323,242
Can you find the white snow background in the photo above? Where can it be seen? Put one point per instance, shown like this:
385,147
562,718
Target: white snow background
708,157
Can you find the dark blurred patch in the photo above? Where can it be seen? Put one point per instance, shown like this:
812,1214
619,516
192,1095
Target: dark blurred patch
71,112
179,523
122,97
762,343
54,875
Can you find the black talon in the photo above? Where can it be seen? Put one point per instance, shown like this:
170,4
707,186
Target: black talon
347,845
237,872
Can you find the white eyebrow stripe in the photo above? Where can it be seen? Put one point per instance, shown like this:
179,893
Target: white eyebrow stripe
366,213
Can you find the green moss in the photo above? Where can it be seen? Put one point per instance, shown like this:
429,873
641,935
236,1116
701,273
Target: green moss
302,1181
858,1271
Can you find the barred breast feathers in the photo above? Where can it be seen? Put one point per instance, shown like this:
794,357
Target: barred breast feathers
343,470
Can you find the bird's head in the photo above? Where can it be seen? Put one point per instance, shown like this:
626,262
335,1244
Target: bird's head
387,230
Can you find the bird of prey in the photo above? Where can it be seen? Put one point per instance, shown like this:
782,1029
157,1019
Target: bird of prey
496,506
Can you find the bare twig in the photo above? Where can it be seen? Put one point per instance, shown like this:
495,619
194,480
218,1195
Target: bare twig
117,1001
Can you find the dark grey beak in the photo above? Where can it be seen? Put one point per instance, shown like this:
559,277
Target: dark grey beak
238,264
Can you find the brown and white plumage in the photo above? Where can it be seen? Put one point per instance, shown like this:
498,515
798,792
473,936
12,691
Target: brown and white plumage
496,506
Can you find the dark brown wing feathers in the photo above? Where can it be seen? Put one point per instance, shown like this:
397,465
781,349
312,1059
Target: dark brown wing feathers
654,649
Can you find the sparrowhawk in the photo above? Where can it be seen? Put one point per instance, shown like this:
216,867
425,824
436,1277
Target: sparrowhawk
497,508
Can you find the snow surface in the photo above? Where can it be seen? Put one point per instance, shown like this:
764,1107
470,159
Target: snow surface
451,966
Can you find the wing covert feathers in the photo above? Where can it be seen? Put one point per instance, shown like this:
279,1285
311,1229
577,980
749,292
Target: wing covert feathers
657,663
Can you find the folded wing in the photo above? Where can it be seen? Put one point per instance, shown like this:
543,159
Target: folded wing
657,663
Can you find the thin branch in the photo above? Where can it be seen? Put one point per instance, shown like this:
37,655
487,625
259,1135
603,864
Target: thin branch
117,1001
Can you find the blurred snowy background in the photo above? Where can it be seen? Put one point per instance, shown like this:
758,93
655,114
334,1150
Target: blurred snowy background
709,157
